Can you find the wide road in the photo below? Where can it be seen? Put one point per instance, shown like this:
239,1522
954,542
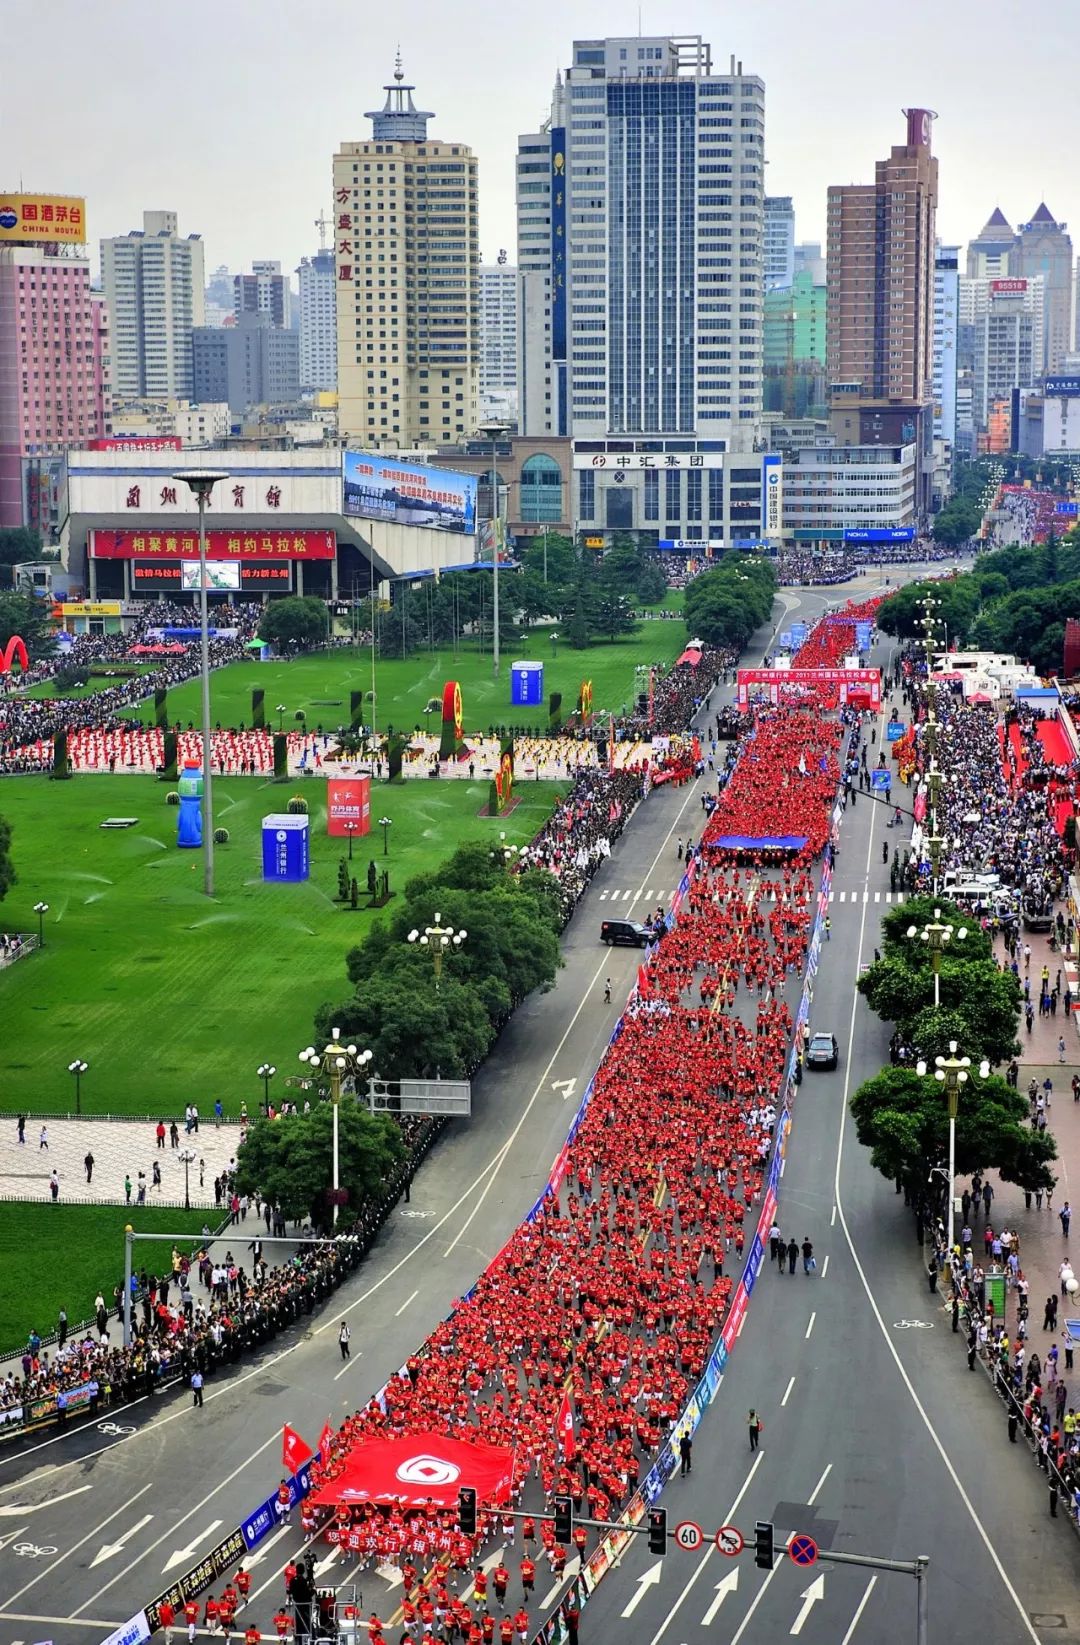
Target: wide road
91,1523
877,1439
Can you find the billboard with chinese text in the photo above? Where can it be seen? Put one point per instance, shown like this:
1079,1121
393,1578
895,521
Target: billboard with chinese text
182,543
165,576
348,806
42,218
385,488
221,575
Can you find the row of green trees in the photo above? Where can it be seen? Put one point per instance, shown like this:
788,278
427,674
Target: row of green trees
1015,600
902,1116
725,605
416,1029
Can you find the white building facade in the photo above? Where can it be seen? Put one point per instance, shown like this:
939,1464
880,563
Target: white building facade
946,321
154,287
832,489
318,322
640,244
498,342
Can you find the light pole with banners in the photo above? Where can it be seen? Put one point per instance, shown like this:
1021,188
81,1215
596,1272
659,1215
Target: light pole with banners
188,1157
952,1073
201,482
336,1061
494,432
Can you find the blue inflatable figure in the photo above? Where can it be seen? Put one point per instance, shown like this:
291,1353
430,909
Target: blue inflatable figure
189,822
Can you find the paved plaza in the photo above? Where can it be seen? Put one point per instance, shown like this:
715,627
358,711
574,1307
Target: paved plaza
120,1148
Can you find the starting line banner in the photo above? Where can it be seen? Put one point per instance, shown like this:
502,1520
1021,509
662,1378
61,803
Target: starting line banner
843,683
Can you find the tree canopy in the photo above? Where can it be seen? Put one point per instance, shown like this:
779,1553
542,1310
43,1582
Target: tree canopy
903,1118
296,623
27,616
8,875
290,1159
725,605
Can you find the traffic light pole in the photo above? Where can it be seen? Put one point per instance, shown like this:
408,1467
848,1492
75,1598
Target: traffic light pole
918,1568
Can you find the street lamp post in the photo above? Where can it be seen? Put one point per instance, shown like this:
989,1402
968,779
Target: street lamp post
554,645
281,707
437,939
952,1073
78,1068
41,909
350,829
266,1072
937,935
493,432
335,1061
385,824
503,853
201,482
187,1159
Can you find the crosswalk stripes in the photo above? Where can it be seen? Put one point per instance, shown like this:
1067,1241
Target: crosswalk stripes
631,895
864,896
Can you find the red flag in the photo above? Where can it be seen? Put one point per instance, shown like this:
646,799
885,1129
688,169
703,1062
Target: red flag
565,1427
294,1450
325,1439
644,985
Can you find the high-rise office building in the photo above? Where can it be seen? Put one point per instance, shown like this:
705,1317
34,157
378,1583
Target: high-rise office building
640,243
807,259
946,324
988,254
794,332
779,240
1007,340
249,364
881,301
498,342
153,282
54,385
1044,248
318,321
264,291
407,250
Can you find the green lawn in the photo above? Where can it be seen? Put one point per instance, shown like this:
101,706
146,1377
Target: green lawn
171,999
404,688
73,1251
97,682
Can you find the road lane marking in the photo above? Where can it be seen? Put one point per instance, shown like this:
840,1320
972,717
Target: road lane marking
832,1219
707,1555
824,1267
758,1597
875,1310
812,1498
348,1365
810,1325
787,1392
89,1537
859,1609
107,1550
810,1597
405,1304
178,1556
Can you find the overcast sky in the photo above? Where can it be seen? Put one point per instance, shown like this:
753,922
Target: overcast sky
228,111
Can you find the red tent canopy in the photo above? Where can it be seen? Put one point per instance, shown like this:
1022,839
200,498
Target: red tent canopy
691,655
419,1466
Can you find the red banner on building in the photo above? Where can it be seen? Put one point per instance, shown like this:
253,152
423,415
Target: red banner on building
183,544
348,806
137,442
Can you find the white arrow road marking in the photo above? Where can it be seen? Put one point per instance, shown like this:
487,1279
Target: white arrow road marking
4,1540
390,1575
810,1597
729,1585
325,1564
567,1087
180,1554
647,1580
107,1550
13,1510
573,1566
260,1553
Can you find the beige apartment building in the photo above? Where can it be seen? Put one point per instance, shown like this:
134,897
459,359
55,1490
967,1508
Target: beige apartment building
408,283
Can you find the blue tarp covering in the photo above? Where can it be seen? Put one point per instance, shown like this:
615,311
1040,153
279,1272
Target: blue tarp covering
1045,691
751,842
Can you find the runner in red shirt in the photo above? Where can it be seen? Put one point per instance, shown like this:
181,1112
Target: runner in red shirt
243,1585
283,1623
210,1615
500,1576
191,1617
528,1576
166,1618
252,1636
521,1623
506,1631
480,1586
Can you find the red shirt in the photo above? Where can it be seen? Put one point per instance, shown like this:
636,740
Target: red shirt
282,1622
166,1614
243,1581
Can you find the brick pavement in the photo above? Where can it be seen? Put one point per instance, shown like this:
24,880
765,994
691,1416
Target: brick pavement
118,1147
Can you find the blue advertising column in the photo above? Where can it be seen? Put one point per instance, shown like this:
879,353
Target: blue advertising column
526,684
285,852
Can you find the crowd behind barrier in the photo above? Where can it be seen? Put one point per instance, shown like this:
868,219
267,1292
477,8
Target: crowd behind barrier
1024,515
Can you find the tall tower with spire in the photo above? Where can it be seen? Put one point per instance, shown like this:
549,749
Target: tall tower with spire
1043,247
408,297
988,254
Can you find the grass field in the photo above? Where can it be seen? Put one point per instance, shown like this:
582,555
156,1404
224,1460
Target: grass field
404,688
60,1256
171,999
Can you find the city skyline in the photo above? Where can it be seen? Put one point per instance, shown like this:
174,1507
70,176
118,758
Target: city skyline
206,166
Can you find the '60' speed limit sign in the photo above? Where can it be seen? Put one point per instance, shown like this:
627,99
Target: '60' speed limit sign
689,1536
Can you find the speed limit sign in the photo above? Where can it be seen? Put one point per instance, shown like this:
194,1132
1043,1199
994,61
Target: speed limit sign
688,1535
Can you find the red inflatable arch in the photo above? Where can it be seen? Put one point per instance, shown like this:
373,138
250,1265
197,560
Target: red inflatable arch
14,648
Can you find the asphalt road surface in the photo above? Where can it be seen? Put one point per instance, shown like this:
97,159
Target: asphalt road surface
865,1420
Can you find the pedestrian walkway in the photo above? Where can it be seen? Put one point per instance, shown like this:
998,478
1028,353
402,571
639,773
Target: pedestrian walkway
120,1148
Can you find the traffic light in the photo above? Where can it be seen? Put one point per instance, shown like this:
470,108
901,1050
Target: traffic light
564,1519
658,1530
467,1510
763,1544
